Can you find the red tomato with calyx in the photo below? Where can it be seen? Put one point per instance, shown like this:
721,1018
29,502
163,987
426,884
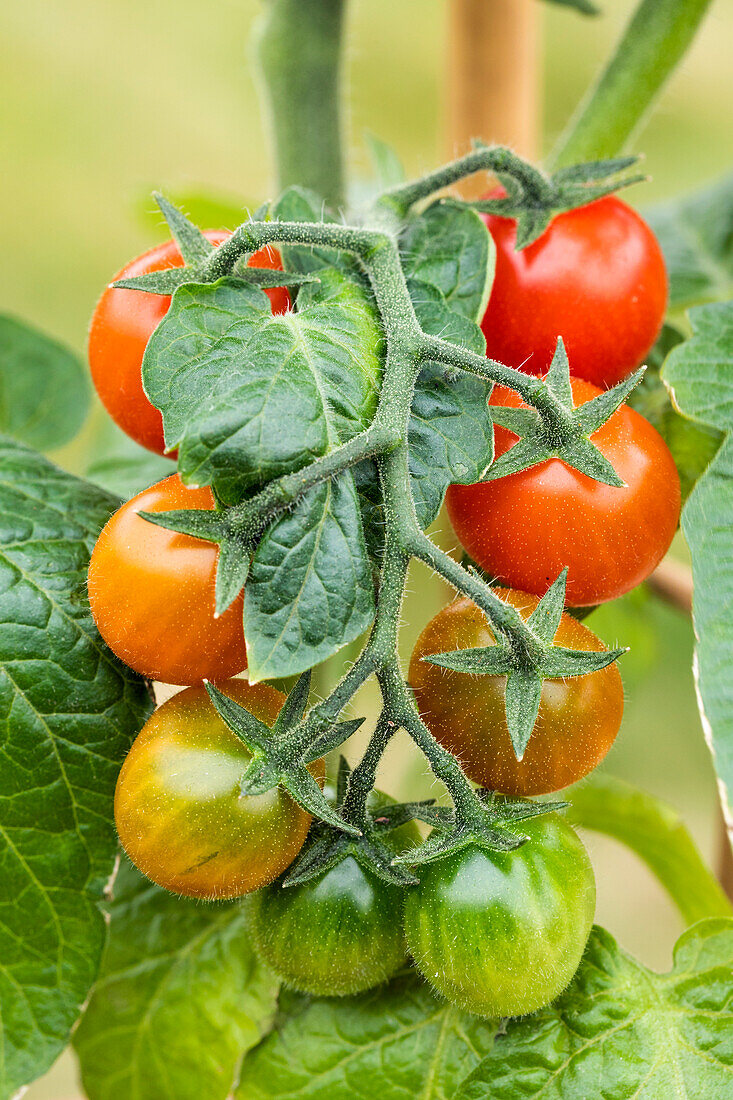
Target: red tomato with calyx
578,719
152,593
596,277
524,529
179,808
123,322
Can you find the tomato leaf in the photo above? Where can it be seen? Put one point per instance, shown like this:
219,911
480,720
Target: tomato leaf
394,1042
247,396
180,997
641,1034
44,392
696,235
450,247
451,436
699,374
68,712
310,588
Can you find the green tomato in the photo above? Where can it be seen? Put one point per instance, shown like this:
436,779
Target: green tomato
502,933
337,934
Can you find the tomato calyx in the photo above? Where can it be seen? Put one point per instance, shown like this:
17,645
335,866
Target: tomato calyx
534,199
326,847
527,661
492,827
561,430
279,760
203,263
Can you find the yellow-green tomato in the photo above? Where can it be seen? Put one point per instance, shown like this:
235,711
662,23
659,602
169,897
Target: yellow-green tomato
502,933
337,934
179,810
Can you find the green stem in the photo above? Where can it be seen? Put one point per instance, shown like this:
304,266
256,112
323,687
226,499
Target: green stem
658,836
654,42
299,47
362,778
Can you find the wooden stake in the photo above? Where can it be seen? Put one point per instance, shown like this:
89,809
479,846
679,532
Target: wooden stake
493,78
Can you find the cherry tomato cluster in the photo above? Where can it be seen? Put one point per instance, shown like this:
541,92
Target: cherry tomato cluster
495,932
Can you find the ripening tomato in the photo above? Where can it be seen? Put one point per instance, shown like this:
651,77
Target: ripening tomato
524,529
152,593
338,933
578,718
121,326
502,933
596,277
179,810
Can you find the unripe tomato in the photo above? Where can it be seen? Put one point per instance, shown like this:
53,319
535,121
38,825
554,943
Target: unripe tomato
337,934
123,322
524,529
179,810
578,718
151,593
596,277
502,933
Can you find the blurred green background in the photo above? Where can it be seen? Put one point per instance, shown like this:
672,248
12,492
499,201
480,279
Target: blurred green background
101,103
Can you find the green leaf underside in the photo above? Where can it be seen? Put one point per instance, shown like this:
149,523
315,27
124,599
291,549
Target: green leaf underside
693,445
44,392
450,247
397,1043
696,235
699,374
451,436
310,588
180,998
622,1030
245,374
69,711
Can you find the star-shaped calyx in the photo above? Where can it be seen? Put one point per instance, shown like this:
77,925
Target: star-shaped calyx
198,253
278,759
490,826
527,656
560,430
374,848
534,199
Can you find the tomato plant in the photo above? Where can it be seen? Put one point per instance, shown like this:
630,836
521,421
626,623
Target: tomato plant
596,277
525,528
179,809
576,725
152,593
317,434
502,933
123,322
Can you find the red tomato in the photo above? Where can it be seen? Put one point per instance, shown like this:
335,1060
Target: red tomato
121,326
524,529
596,277
152,593
578,718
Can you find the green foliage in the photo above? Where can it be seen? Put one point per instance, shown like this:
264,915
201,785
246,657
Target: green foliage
395,1042
44,392
68,711
623,1029
658,836
585,7
121,466
696,235
693,445
180,998
699,374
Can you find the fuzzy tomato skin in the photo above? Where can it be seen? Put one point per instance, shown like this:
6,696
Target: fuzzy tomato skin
123,322
179,810
578,720
525,528
337,934
502,933
596,277
151,593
